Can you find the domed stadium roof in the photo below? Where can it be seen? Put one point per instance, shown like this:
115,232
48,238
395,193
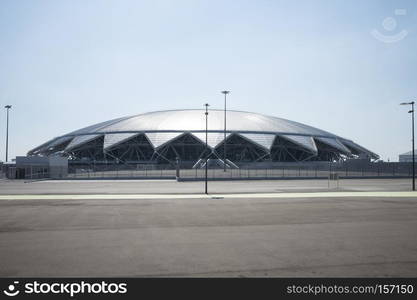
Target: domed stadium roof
164,126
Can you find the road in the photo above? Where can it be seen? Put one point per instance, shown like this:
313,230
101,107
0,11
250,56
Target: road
174,187
235,235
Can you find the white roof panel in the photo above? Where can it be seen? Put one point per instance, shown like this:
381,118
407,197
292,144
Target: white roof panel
193,120
213,138
81,139
96,127
59,141
303,141
264,140
158,139
335,143
114,139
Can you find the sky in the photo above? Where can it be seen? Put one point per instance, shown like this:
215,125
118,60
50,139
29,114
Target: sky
341,66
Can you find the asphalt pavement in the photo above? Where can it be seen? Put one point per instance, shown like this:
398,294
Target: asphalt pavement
236,236
166,186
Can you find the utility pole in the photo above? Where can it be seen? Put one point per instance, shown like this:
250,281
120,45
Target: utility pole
412,141
7,107
224,141
207,152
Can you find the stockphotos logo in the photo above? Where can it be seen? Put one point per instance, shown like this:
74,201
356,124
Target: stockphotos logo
12,290
390,25
71,289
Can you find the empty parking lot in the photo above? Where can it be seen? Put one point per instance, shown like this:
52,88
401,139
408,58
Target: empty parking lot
228,235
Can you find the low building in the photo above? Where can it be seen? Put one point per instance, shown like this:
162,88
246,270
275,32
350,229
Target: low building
407,157
33,167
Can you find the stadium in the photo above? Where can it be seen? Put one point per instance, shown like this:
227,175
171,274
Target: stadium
164,137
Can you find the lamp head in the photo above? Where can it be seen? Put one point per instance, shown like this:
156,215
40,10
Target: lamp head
225,92
8,106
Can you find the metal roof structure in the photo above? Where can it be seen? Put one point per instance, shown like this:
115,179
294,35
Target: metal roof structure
162,127
409,152
407,156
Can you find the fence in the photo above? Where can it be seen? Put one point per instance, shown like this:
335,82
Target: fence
290,171
123,171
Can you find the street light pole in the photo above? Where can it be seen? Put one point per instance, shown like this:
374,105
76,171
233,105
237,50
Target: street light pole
224,141
7,107
414,160
412,133
207,152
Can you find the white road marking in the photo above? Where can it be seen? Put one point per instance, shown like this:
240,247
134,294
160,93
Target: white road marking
101,181
203,196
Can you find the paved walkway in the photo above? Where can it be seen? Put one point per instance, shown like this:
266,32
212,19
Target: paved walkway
333,235
94,187
210,196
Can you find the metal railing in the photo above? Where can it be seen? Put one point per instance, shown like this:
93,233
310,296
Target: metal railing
122,171
286,171
283,171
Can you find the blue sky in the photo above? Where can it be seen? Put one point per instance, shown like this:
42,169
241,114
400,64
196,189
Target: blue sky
68,64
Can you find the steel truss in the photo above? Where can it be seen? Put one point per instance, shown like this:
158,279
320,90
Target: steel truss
241,150
286,151
327,153
135,149
186,147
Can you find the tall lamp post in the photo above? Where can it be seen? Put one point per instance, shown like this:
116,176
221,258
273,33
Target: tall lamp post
7,107
224,141
206,166
412,133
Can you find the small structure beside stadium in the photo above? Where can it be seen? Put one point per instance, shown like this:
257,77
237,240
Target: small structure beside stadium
37,167
407,157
